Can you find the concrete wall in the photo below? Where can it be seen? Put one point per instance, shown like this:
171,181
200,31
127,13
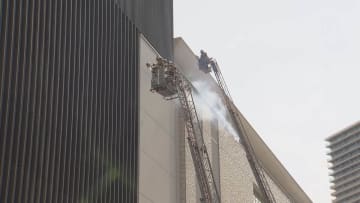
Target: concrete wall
159,144
237,180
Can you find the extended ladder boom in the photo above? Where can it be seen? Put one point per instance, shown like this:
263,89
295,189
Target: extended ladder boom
206,64
169,82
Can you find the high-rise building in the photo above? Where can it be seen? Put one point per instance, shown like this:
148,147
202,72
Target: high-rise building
79,124
345,164
69,96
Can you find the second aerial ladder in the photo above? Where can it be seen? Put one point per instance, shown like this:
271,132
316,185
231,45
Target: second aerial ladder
207,65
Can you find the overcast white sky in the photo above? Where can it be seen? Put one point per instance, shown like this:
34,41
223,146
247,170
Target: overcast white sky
293,69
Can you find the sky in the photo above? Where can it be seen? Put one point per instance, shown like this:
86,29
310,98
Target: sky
292,67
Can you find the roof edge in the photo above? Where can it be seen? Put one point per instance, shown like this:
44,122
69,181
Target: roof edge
343,131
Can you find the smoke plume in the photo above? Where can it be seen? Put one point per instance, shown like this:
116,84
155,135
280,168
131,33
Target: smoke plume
210,102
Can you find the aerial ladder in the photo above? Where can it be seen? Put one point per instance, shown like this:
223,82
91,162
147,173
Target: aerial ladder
170,83
207,64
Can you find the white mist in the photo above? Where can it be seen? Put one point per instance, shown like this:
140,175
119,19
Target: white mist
207,99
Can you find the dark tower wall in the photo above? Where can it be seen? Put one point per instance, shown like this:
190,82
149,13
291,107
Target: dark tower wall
154,18
69,97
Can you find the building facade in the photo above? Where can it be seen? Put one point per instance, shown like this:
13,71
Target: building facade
69,96
79,124
345,164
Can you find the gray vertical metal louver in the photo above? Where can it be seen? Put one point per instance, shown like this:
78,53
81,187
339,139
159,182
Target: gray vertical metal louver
154,19
68,102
